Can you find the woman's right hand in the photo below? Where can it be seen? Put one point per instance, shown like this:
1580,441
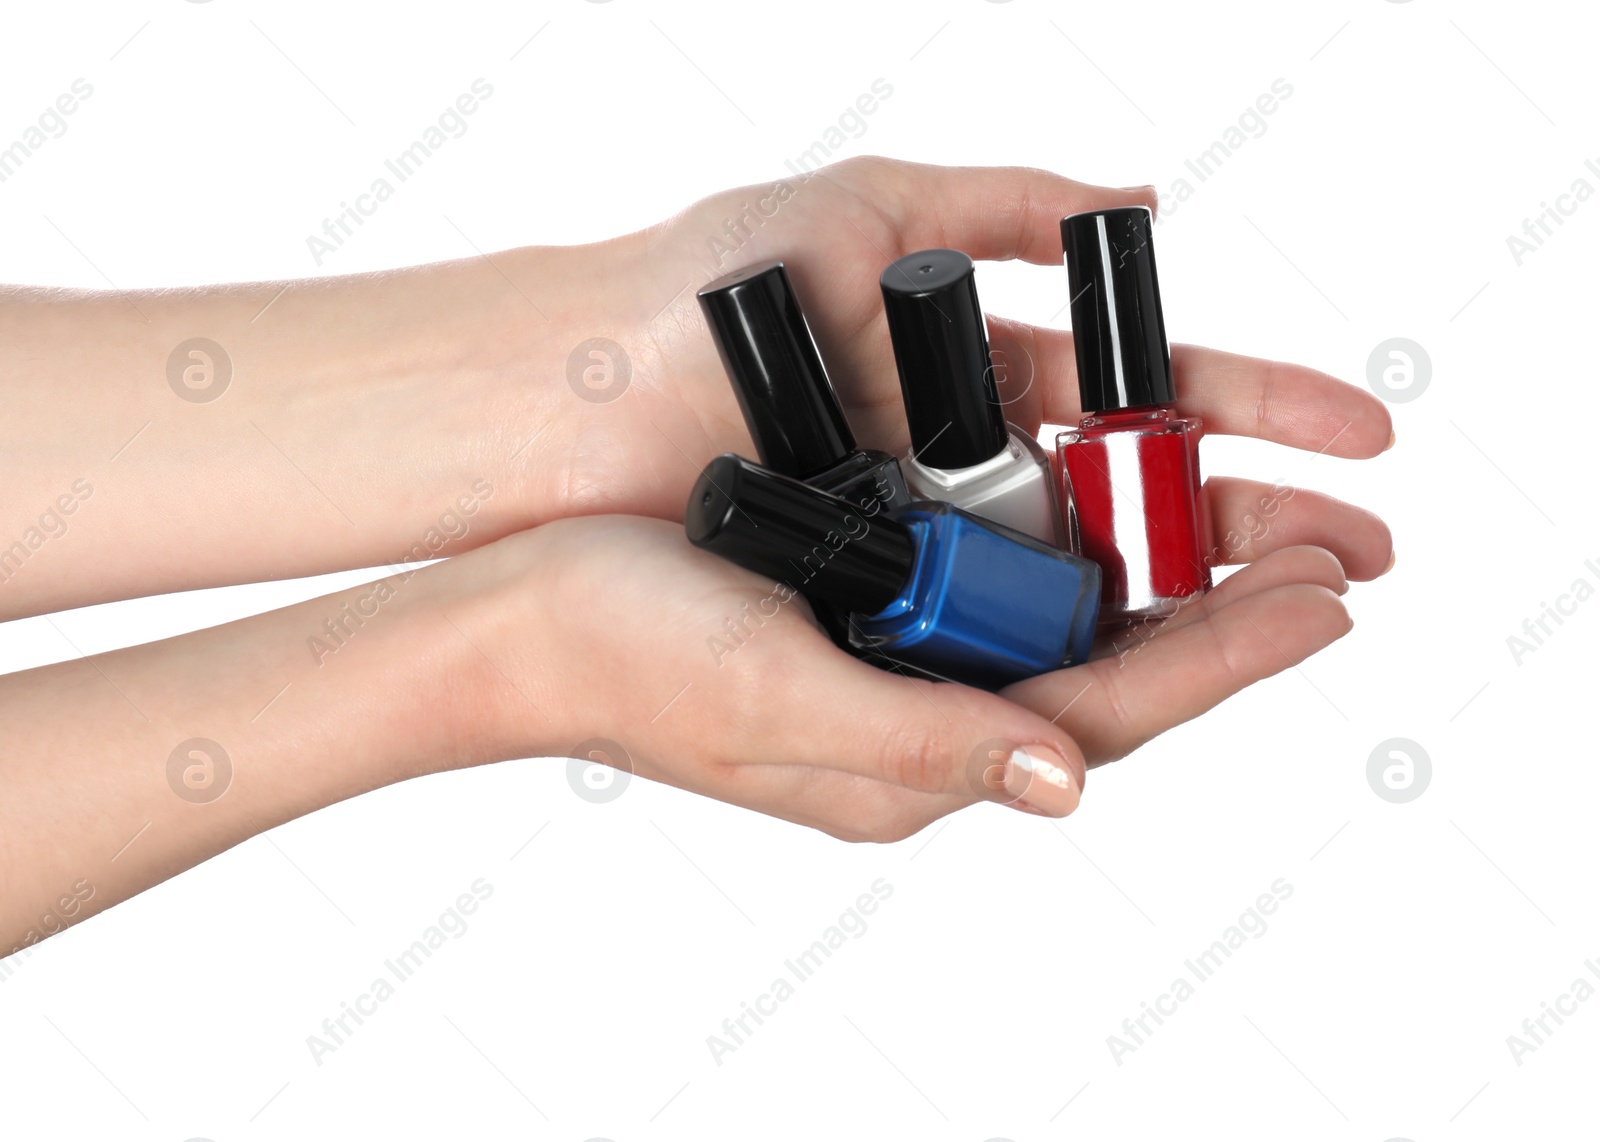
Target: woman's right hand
697,673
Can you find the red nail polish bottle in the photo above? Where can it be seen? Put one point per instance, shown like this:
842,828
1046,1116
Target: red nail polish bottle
1131,469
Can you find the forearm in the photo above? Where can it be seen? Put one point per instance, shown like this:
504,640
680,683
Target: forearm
357,412
102,781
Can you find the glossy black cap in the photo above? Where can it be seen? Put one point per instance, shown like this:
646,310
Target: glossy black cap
819,544
1117,329
789,405
941,348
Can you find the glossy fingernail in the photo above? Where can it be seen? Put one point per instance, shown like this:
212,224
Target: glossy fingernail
1389,445
1390,566
1038,777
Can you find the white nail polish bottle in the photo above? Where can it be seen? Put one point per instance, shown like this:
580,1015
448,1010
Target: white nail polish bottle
962,449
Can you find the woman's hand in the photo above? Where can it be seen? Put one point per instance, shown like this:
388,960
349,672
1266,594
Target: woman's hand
270,430
702,674
837,230
715,680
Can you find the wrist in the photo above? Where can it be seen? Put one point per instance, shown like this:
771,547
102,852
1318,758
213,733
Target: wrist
530,371
575,380
485,630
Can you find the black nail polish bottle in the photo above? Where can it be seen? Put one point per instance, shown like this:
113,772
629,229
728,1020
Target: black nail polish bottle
788,402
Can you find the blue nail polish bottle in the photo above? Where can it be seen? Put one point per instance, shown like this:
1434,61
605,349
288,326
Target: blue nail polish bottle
930,585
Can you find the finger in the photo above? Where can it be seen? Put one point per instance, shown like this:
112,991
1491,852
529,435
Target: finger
1290,565
841,714
1233,395
1251,519
1277,401
1114,705
992,213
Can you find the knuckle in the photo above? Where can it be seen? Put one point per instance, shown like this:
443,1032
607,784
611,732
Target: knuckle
918,757
868,164
1267,411
1117,706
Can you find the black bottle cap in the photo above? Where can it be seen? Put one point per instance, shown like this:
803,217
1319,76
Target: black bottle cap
941,348
789,405
819,544
1117,329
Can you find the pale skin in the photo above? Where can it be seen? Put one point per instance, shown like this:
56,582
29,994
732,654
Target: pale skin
363,408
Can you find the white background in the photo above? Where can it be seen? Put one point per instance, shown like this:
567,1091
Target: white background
978,1003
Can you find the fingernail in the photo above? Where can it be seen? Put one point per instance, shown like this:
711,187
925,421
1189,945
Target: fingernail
1146,188
1389,445
1390,567
1039,777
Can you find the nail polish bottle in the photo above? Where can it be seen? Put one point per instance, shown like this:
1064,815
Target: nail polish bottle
791,409
1133,464
932,585
963,450
783,389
